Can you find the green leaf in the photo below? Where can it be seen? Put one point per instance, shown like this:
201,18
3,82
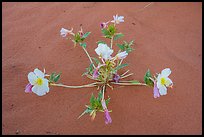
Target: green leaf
117,36
134,82
52,77
83,45
105,32
99,95
56,78
98,42
91,68
120,66
92,100
147,80
107,101
131,43
108,36
121,46
96,60
111,29
88,110
84,73
86,35
77,38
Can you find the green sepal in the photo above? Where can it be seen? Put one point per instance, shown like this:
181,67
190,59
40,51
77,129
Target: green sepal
56,78
117,36
147,79
86,35
83,44
120,67
98,42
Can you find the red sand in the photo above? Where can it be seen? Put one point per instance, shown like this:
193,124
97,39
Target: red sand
166,35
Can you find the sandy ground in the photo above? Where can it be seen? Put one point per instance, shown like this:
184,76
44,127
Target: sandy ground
166,35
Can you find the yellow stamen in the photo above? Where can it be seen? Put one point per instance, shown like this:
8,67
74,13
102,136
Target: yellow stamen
39,81
163,81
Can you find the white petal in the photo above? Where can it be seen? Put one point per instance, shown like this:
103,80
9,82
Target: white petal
45,81
32,78
39,73
168,82
120,17
163,90
166,72
159,80
40,90
63,30
116,16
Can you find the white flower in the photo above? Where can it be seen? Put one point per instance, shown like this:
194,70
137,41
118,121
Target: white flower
40,84
64,32
163,81
118,19
104,51
122,55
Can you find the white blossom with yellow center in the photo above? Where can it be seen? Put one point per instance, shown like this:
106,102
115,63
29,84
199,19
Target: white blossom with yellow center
104,51
40,84
163,81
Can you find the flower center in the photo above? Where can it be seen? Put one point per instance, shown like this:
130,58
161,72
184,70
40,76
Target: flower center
163,81
39,81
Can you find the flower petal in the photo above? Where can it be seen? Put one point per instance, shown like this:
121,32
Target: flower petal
163,90
166,72
168,82
40,90
156,91
32,78
28,88
107,117
39,73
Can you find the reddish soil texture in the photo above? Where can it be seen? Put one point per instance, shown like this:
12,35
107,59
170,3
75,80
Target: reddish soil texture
166,35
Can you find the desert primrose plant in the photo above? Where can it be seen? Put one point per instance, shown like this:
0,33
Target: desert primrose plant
103,70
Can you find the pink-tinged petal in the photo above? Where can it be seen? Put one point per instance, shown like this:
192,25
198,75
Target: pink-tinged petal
95,73
28,88
104,104
116,78
156,91
107,117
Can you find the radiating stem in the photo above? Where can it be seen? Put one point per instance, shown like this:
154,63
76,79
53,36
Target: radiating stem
126,75
89,57
129,84
120,62
82,86
111,42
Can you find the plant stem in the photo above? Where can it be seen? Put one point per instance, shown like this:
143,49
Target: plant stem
82,86
111,42
126,76
89,57
120,62
129,84
125,73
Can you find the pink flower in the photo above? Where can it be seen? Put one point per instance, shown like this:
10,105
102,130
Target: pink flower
156,90
95,73
116,78
104,25
122,55
106,113
28,88
107,117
